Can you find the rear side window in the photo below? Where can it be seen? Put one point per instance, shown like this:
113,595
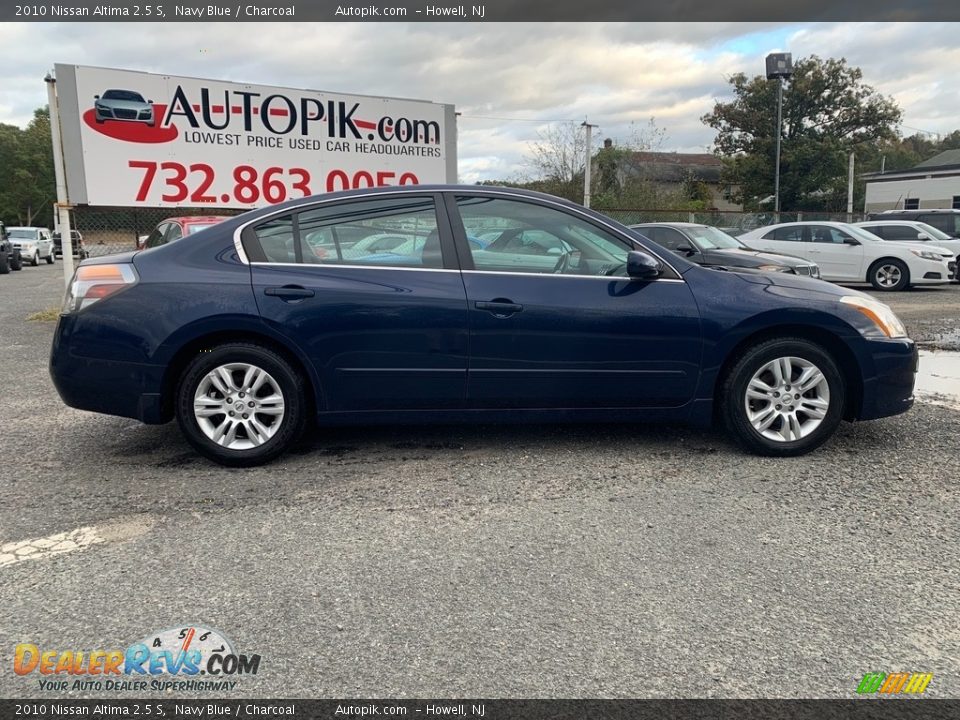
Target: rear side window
946,222
786,234
390,232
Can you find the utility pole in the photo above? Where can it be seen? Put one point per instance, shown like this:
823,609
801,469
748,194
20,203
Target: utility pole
587,163
63,203
850,189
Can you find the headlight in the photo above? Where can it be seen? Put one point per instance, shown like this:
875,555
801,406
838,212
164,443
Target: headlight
773,268
926,254
95,282
887,324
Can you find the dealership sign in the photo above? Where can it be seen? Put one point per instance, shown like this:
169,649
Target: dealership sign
138,139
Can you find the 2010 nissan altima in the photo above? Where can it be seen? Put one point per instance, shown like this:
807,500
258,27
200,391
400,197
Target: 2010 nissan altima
249,330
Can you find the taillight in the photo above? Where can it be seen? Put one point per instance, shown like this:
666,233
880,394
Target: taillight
95,282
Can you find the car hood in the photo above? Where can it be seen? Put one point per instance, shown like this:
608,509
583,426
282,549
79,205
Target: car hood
776,258
802,286
917,246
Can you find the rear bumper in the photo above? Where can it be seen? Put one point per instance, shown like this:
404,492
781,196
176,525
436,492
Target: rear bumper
111,387
888,390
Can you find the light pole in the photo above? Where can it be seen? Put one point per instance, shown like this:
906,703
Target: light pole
779,67
588,162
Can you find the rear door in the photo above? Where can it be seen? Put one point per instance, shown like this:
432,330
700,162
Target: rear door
569,329
385,329
787,240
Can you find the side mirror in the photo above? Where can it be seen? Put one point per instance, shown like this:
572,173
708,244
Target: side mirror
686,250
96,97
922,236
642,266
150,101
850,241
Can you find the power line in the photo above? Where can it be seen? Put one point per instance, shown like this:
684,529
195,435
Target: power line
515,119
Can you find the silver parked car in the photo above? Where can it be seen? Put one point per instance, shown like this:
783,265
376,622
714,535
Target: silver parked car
122,105
33,243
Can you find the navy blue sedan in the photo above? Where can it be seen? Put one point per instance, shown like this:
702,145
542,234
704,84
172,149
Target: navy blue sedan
249,330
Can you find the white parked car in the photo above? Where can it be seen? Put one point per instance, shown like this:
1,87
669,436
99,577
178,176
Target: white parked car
34,243
847,253
913,231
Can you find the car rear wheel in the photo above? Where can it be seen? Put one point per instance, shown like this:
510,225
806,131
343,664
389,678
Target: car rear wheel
889,274
50,258
783,397
241,404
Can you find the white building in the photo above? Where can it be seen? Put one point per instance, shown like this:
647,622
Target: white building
934,183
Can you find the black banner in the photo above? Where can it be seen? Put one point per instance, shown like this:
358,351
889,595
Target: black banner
477,11
248,709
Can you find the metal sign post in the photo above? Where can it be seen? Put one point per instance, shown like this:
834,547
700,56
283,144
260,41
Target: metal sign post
63,201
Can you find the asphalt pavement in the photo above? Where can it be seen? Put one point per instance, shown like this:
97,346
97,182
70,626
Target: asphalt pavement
486,561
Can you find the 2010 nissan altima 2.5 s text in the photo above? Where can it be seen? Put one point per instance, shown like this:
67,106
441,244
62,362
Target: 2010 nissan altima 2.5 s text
494,304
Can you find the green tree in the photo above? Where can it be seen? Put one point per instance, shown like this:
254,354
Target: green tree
828,112
27,181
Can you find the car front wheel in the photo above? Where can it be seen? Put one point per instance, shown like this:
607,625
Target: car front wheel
783,397
889,274
241,404
35,260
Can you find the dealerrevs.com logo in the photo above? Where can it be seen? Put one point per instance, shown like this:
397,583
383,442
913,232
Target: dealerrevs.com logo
894,683
126,115
185,658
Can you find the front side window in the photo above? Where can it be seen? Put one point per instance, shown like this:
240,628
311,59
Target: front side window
895,232
827,234
390,232
668,238
530,238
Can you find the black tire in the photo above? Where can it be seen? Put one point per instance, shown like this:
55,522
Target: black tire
881,268
733,397
291,384
35,260
16,262
50,259
4,264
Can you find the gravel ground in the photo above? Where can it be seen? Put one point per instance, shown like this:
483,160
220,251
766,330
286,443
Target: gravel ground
532,561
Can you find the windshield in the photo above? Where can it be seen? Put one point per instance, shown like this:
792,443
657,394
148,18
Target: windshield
123,95
710,238
197,227
933,232
861,233
23,233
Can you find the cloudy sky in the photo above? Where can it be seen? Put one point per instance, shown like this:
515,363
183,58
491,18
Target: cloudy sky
509,80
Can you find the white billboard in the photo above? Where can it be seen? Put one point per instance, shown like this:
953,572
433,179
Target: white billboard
137,139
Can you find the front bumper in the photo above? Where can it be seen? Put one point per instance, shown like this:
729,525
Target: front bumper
888,389
929,272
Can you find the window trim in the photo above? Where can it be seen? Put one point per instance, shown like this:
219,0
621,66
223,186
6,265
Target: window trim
251,253
442,199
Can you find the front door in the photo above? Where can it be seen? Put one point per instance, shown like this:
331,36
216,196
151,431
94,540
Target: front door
369,290
556,322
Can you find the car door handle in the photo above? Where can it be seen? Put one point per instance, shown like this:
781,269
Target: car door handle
289,292
499,307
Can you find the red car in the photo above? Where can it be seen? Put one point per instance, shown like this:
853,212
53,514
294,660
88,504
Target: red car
175,228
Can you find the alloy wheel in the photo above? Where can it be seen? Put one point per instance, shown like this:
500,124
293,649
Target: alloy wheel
787,399
888,276
239,406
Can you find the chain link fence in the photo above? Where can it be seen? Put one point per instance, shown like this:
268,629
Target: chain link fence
115,230
108,230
